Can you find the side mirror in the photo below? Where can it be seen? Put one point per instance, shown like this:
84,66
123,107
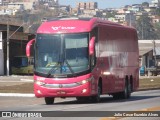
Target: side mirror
28,47
91,46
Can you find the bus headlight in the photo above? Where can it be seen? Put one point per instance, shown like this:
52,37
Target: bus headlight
40,83
84,81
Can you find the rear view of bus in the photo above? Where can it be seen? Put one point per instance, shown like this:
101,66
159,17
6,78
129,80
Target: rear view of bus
65,60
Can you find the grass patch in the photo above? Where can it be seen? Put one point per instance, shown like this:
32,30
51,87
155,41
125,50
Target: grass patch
149,83
20,88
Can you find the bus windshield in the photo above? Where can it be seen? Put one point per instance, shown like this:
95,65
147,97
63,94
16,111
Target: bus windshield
61,54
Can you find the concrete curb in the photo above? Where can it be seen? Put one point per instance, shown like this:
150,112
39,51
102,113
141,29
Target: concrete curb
27,80
148,89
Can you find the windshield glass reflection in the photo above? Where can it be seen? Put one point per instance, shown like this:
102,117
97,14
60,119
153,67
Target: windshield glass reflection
57,54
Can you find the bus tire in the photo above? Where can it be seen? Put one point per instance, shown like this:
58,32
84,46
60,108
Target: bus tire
97,98
49,100
127,90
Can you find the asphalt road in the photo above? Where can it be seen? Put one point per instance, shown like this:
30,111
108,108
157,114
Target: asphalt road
65,109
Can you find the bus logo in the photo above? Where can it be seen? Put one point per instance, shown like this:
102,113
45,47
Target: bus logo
60,85
63,28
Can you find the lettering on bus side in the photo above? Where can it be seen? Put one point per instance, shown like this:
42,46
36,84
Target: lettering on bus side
63,28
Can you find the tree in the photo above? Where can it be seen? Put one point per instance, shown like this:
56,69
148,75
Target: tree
145,28
145,4
34,28
33,18
110,14
158,11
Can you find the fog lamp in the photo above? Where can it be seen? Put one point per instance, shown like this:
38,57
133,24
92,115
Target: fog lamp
39,92
84,90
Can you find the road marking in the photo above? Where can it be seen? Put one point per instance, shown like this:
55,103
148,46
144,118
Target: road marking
157,108
10,81
27,80
151,109
110,118
21,80
16,95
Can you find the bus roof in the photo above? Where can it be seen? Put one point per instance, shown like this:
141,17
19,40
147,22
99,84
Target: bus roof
73,25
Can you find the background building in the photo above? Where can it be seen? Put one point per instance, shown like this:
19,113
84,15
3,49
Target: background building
155,3
87,5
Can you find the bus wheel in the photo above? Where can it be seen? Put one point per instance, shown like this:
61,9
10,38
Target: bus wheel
97,98
49,100
127,91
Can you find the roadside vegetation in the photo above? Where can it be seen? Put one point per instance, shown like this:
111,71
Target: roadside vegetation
149,83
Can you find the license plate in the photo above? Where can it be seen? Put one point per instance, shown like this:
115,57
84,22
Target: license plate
61,92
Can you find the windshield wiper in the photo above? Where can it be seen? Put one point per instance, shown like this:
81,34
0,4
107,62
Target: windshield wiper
53,69
55,66
70,68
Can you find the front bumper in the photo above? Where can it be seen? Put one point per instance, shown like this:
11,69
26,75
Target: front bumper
53,91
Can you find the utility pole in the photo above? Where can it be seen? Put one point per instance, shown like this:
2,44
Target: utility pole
8,49
130,19
142,31
154,52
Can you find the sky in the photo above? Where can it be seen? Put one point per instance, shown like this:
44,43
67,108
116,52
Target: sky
102,4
